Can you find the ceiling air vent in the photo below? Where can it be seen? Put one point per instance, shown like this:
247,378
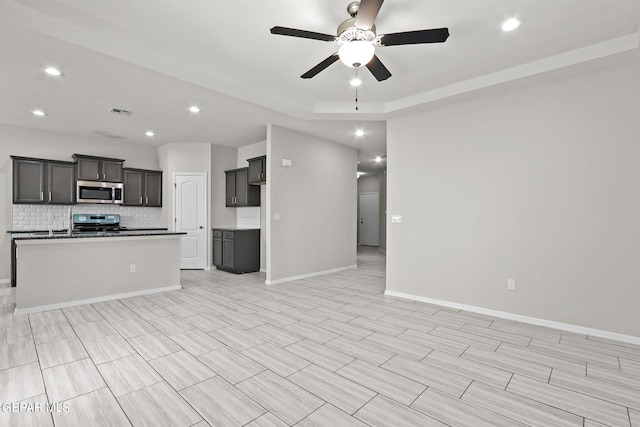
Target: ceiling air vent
121,111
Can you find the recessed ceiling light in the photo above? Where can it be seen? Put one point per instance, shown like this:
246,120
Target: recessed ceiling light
194,109
510,24
149,133
356,82
39,113
359,132
53,71
378,159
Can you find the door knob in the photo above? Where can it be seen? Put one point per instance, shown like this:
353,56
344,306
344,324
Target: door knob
201,227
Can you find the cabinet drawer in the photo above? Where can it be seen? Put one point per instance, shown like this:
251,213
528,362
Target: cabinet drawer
217,233
227,235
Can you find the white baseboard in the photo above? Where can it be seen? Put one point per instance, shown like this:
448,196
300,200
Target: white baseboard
5,282
48,307
305,276
524,319
207,268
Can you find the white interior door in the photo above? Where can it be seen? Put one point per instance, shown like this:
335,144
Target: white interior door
369,219
190,217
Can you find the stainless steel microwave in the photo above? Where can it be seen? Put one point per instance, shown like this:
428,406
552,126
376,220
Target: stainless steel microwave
99,192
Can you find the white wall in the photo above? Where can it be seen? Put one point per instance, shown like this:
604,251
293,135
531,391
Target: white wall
540,184
29,142
314,198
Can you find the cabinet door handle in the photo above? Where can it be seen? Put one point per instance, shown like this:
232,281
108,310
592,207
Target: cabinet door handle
140,199
147,200
42,196
49,196
104,176
97,176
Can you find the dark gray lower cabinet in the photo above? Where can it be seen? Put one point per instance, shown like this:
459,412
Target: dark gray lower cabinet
236,250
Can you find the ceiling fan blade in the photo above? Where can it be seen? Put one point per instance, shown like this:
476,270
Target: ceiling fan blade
378,69
284,31
367,13
435,35
321,66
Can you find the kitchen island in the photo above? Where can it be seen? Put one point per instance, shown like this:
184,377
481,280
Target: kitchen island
56,270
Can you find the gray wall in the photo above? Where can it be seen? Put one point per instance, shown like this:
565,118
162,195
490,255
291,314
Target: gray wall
248,152
29,142
383,211
540,184
222,159
314,198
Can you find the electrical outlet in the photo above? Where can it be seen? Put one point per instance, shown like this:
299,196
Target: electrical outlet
132,268
511,284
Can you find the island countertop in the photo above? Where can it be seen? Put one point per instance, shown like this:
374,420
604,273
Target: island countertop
37,235
60,271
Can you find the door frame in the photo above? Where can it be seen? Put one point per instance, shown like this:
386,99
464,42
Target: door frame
207,237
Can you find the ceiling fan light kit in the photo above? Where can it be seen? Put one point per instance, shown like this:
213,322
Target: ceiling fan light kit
356,53
357,39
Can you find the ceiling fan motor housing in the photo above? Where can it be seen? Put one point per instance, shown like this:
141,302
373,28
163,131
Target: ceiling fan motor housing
347,31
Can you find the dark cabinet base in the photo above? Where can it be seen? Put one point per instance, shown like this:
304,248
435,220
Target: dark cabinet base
236,251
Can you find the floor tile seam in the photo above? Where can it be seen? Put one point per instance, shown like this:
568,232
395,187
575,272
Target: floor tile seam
239,389
571,357
502,340
150,385
470,360
564,409
616,381
604,399
600,347
267,368
534,353
458,398
375,393
328,348
524,374
44,384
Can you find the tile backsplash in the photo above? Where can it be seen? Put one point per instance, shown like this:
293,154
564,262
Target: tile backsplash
248,217
56,217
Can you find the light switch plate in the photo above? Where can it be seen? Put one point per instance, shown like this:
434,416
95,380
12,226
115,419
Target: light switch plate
276,216
396,219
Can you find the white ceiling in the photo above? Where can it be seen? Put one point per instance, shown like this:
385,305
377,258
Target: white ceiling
158,57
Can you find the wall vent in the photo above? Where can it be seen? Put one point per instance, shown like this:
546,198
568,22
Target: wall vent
121,111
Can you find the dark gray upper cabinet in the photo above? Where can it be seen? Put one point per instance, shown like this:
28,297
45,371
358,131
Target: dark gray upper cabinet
94,168
142,187
257,170
61,180
39,181
238,191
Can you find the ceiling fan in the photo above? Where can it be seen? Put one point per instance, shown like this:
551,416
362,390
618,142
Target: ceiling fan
357,39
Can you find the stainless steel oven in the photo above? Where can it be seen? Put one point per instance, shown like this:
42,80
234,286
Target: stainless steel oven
99,192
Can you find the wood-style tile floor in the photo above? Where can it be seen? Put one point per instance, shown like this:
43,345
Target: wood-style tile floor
228,350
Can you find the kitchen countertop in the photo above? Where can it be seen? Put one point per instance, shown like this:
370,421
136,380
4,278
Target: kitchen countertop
234,228
79,235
